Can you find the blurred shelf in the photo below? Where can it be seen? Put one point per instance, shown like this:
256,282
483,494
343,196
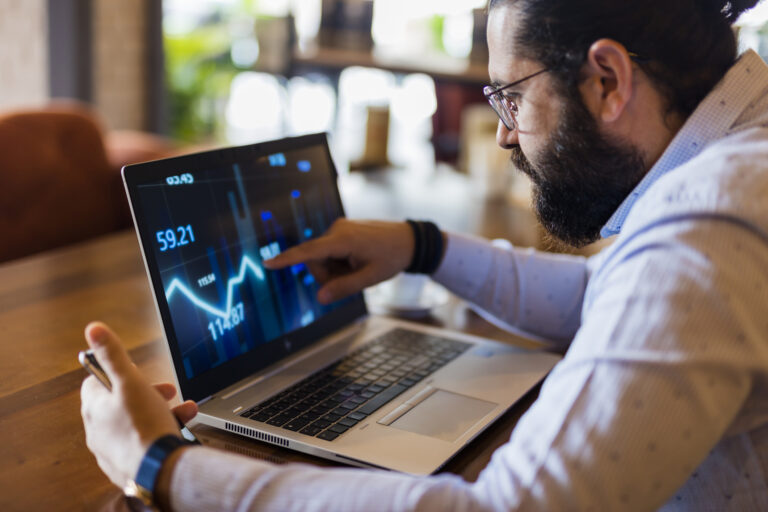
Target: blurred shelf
438,66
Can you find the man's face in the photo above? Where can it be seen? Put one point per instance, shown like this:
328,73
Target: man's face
580,175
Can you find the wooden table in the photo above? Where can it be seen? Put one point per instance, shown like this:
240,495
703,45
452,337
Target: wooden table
46,301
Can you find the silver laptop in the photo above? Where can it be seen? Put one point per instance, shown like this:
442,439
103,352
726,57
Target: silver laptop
257,352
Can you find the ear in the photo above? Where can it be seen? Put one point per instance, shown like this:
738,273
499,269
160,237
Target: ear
607,80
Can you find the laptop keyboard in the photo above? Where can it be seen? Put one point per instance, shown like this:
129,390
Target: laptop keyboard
332,400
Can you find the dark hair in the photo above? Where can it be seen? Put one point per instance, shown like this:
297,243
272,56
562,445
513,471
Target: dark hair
686,45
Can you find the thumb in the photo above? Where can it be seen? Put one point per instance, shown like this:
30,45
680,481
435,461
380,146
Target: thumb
185,411
109,351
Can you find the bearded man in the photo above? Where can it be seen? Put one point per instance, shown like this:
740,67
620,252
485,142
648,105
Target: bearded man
633,119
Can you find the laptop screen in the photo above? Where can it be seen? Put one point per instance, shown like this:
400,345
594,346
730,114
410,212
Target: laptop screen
206,222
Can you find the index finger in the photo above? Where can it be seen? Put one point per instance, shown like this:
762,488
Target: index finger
312,250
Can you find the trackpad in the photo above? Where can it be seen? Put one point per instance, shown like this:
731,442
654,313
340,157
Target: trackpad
444,415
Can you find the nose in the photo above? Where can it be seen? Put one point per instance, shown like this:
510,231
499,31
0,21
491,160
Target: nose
506,139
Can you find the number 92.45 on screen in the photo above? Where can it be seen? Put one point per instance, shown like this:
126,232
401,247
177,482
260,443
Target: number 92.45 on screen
172,238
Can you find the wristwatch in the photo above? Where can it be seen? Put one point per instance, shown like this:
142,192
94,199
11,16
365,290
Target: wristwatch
142,488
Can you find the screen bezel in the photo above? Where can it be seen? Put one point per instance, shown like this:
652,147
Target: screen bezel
217,378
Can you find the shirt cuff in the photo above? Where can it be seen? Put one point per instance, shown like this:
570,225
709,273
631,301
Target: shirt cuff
205,479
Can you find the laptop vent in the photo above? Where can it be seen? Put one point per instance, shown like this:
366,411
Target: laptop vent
243,431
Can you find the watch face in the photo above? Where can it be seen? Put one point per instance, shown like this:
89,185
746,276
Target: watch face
119,502
137,497
134,504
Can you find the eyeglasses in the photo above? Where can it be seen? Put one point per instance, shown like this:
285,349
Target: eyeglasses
504,106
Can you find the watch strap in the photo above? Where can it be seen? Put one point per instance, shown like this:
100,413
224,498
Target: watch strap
143,486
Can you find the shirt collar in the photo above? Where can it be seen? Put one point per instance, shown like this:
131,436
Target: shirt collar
712,120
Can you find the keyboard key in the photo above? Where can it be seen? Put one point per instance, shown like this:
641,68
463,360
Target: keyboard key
322,408
295,425
323,423
347,422
328,435
310,416
382,398
311,430
280,420
296,411
283,404
271,411
356,416
339,429
310,401
333,417
262,417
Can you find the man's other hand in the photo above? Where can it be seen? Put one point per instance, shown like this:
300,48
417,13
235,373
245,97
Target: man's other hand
121,425
351,256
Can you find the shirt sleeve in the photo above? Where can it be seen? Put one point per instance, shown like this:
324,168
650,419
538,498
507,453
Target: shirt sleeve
654,378
524,291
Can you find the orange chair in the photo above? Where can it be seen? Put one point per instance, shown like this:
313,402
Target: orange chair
59,181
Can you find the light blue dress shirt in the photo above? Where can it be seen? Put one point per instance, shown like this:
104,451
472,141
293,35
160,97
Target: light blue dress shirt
662,397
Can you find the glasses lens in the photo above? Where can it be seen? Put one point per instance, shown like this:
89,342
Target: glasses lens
502,108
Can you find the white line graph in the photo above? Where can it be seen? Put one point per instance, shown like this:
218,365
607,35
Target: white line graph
245,265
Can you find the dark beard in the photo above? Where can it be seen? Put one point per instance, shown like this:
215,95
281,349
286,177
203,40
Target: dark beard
581,178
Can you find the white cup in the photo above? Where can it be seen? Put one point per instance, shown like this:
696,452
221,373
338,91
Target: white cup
406,290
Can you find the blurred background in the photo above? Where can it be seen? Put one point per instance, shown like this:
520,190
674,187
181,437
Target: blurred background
238,71
396,83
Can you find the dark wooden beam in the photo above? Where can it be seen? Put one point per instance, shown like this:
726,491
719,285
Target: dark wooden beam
69,49
157,104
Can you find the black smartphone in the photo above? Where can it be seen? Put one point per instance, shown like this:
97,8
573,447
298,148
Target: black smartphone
90,363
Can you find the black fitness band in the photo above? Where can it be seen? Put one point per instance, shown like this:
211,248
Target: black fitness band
427,247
